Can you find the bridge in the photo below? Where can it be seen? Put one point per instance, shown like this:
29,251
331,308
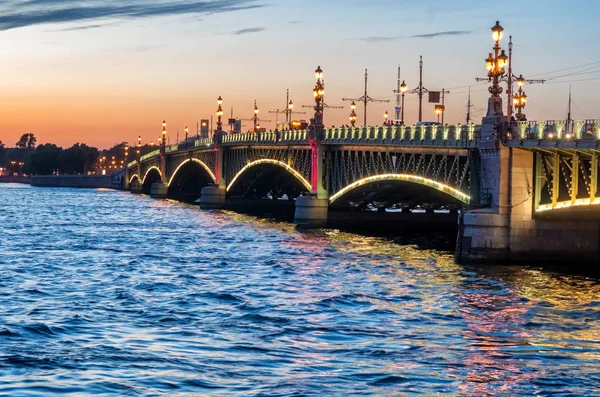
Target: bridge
521,188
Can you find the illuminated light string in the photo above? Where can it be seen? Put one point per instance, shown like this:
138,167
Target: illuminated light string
195,161
567,204
406,178
150,169
133,177
275,162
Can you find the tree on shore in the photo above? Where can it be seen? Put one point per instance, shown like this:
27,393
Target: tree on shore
45,160
27,141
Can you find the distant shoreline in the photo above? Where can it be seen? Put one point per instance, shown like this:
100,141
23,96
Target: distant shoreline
15,179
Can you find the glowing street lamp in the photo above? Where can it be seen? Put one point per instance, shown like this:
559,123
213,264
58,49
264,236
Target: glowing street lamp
318,93
438,110
385,117
353,113
255,117
186,137
219,114
520,99
290,108
403,89
495,64
164,135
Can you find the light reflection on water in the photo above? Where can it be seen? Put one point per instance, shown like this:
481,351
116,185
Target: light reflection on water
109,293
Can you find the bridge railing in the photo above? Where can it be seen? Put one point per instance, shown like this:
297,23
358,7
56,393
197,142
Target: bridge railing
266,137
554,130
172,148
150,155
466,134
203,142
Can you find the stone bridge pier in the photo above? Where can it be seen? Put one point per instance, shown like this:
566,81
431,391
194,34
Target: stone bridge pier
507,225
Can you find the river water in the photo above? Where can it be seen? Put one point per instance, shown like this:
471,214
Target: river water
107,293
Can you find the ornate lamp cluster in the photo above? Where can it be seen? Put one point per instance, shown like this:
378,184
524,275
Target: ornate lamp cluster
353,113
496,62
219,114
318,92
163,138
520,99
255,117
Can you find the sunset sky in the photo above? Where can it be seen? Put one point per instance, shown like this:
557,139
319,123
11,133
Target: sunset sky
106,71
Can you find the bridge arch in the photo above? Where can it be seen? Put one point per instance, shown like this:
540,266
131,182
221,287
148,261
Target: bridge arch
153,175
455,193
156,169
134,177
188,179
206,168
286,167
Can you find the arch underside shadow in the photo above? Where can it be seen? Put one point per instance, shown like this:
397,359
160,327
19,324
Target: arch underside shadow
395,191
153,175
188,180
267,179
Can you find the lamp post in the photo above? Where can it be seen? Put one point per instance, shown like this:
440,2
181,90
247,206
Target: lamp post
163,140
520,99
403,89
385,117
318,92
353,113
186,137
219,115
315,130
290,108
495,64
255,117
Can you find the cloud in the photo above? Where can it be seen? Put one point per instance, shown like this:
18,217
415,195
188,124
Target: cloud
438,34
248,30
379,39
86,27
17,14
383,39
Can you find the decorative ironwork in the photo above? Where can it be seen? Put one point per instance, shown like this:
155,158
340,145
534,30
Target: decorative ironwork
348,166
237,158
565,178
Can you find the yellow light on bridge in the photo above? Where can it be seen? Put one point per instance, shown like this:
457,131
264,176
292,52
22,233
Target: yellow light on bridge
406,178
275,162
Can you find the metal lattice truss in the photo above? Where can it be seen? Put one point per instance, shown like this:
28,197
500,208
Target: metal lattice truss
345,167
566,178
299,159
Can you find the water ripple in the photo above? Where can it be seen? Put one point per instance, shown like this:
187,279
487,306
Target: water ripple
106,293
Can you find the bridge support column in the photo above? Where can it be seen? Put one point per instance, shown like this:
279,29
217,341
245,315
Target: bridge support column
485,233
135,187
125,185
213,197
311,212
159,190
